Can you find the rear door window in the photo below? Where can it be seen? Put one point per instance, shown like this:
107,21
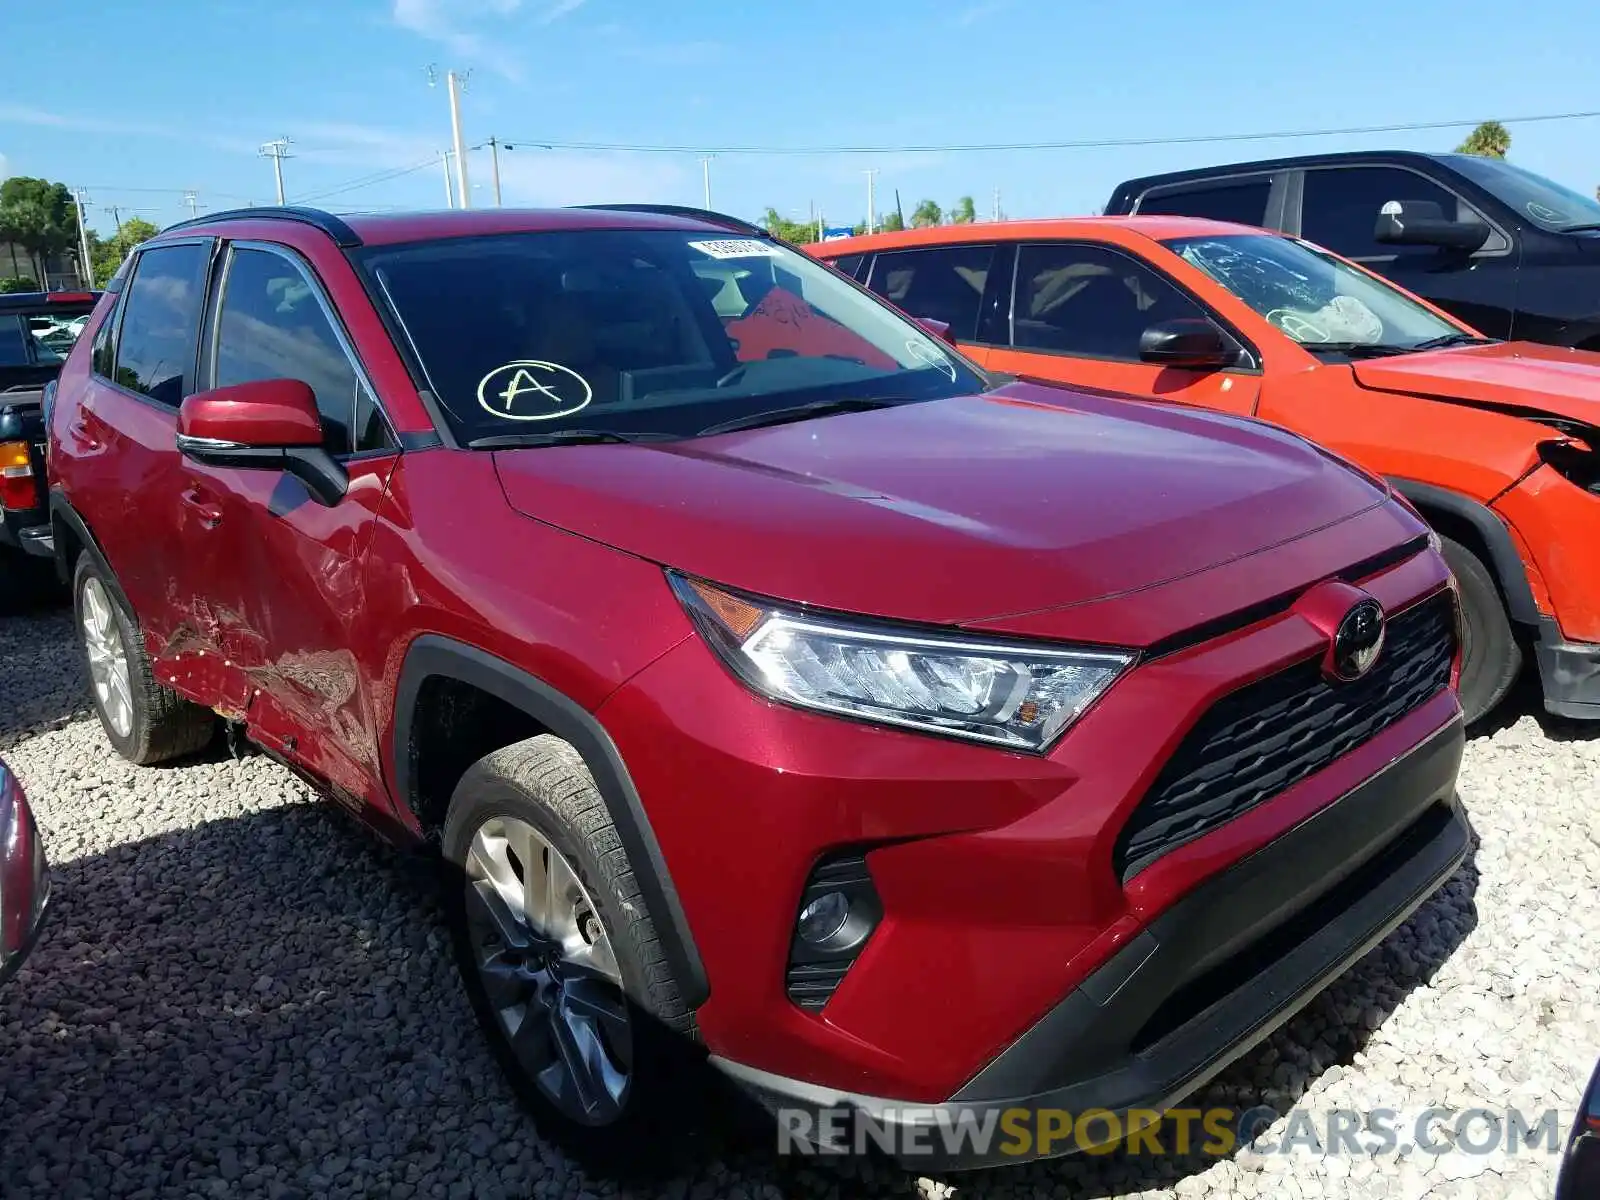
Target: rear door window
1241,200
161,323
945,283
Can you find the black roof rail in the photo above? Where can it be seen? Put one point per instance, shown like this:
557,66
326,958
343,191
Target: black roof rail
345,237
680,210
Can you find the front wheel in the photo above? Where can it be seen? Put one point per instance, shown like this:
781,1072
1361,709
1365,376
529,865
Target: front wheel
1490,655
560,959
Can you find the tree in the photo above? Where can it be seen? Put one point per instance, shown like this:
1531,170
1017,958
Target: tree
797,232
891,223
108,254
926,214
39,216
965,212
1489,140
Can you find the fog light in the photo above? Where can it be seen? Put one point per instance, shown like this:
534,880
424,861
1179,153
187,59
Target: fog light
824,917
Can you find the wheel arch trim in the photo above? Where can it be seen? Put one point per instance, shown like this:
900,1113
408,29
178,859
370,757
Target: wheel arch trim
1505,562
433,655
62,513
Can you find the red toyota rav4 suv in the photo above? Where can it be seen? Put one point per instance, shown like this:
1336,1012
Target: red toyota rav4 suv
765,669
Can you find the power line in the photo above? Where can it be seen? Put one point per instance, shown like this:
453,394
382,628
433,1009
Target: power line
369,180
1081,144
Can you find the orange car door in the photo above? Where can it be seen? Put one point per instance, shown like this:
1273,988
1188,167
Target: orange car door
1077,313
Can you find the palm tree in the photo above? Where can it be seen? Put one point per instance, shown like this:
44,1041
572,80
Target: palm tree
1489,140
927,213
965,212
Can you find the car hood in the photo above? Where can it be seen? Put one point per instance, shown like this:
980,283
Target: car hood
1519,378
951,511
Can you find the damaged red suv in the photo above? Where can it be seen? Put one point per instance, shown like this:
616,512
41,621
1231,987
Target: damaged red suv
784,691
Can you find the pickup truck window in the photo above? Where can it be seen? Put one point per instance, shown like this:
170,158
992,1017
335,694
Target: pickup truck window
1241,200
1339,207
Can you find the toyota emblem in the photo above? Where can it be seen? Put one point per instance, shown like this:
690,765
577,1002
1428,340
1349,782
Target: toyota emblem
1358,641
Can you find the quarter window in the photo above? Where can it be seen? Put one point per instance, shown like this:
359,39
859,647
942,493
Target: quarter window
945,284
271,326
1340,206
1090,301
155,350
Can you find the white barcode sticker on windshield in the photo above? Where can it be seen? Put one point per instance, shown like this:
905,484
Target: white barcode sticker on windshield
734,248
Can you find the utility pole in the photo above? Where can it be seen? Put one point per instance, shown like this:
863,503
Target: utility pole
453,82
83,240
494,157
193,201
449,193
872,200
116,215
277,151
705,168
997,204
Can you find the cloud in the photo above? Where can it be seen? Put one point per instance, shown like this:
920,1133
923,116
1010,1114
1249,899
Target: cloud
676,54
558,178
560,9
977,12
17,114
449,22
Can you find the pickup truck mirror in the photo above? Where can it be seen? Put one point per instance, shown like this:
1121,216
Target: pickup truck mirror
1193,343
1423,223
272,424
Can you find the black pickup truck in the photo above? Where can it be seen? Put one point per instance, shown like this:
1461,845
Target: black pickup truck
1510,252
37,331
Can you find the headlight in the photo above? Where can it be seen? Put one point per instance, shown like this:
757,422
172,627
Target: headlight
1007,695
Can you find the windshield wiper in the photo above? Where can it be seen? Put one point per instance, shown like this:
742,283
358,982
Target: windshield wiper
563,437
1356,349
1452,339
800,412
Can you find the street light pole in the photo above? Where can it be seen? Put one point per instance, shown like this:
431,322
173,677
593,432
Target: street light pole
705,167
872,200
453,84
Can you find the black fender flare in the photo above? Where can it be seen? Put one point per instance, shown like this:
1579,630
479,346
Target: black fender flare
64,516
1505,562
434,655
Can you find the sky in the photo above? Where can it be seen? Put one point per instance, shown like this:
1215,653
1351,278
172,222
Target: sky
146,101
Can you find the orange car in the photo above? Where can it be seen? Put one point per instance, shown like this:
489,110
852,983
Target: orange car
1496,443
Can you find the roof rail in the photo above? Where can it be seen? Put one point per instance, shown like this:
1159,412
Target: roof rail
679,210
345,237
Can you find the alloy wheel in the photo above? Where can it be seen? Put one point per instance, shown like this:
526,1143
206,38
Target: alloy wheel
547,966
108,658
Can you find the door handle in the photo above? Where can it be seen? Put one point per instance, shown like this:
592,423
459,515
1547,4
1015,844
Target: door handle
210,514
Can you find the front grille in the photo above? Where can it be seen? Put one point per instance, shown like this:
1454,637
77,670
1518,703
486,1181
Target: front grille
1266,737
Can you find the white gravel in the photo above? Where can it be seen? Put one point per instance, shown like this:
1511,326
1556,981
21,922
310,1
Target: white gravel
243,995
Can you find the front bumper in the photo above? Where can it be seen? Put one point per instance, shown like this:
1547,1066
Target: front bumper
1569,673
1197,988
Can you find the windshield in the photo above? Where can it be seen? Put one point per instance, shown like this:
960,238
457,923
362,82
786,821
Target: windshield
1543,201
1312,296
650,332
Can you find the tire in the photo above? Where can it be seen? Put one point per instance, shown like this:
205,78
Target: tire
543,784
1491,658
159,724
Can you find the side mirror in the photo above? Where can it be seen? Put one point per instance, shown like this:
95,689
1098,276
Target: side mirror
1193,343
271,425
1423,223
939,329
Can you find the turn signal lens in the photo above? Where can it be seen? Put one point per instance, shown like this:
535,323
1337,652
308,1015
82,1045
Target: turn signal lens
18,488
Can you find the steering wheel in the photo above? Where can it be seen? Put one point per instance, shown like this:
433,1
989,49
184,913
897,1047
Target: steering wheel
1297,325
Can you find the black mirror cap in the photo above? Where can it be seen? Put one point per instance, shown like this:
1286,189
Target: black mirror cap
1191,342
1423,223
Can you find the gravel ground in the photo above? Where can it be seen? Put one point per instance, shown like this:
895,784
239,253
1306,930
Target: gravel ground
243,995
